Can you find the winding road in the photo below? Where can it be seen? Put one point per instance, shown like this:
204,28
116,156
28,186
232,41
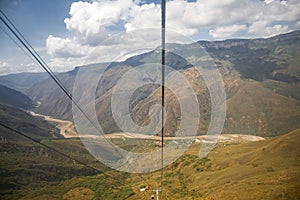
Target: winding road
67,129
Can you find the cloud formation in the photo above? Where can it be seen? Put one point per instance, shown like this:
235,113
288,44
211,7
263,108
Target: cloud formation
3,64
59,47
7,68
91,23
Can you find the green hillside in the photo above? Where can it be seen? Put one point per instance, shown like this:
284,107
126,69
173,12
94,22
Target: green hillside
23,121
268,169
14,98
27,164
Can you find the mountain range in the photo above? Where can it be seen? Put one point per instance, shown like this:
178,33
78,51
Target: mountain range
22,81
261,78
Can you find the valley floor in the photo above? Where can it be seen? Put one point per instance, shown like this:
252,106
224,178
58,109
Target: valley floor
67,130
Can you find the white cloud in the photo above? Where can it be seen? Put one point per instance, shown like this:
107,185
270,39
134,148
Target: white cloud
297,25
91,23
268,1
262,29
226,31
144,16
58,47
276,29
3,64
10,67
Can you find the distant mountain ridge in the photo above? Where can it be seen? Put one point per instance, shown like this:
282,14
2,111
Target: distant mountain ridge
14,98
22,81
261,78
260,59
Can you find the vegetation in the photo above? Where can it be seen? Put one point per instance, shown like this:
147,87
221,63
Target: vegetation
267,169
21,120
284,89
262,82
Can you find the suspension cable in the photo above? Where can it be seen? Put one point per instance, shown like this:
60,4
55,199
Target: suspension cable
58,152
45,67
32,50
12,39
163,62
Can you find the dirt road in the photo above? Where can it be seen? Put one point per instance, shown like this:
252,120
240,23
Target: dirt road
201,138
67,129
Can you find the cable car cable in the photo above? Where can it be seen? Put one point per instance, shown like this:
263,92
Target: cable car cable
163,62
41,62
58,152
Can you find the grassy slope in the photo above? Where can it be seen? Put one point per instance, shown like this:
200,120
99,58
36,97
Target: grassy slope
257,109
267,169
28,170
21,120
258,170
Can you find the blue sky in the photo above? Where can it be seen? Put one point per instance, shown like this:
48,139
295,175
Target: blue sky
69,33
35,19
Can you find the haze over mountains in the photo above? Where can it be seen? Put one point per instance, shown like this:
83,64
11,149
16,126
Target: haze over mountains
22,81
261,78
